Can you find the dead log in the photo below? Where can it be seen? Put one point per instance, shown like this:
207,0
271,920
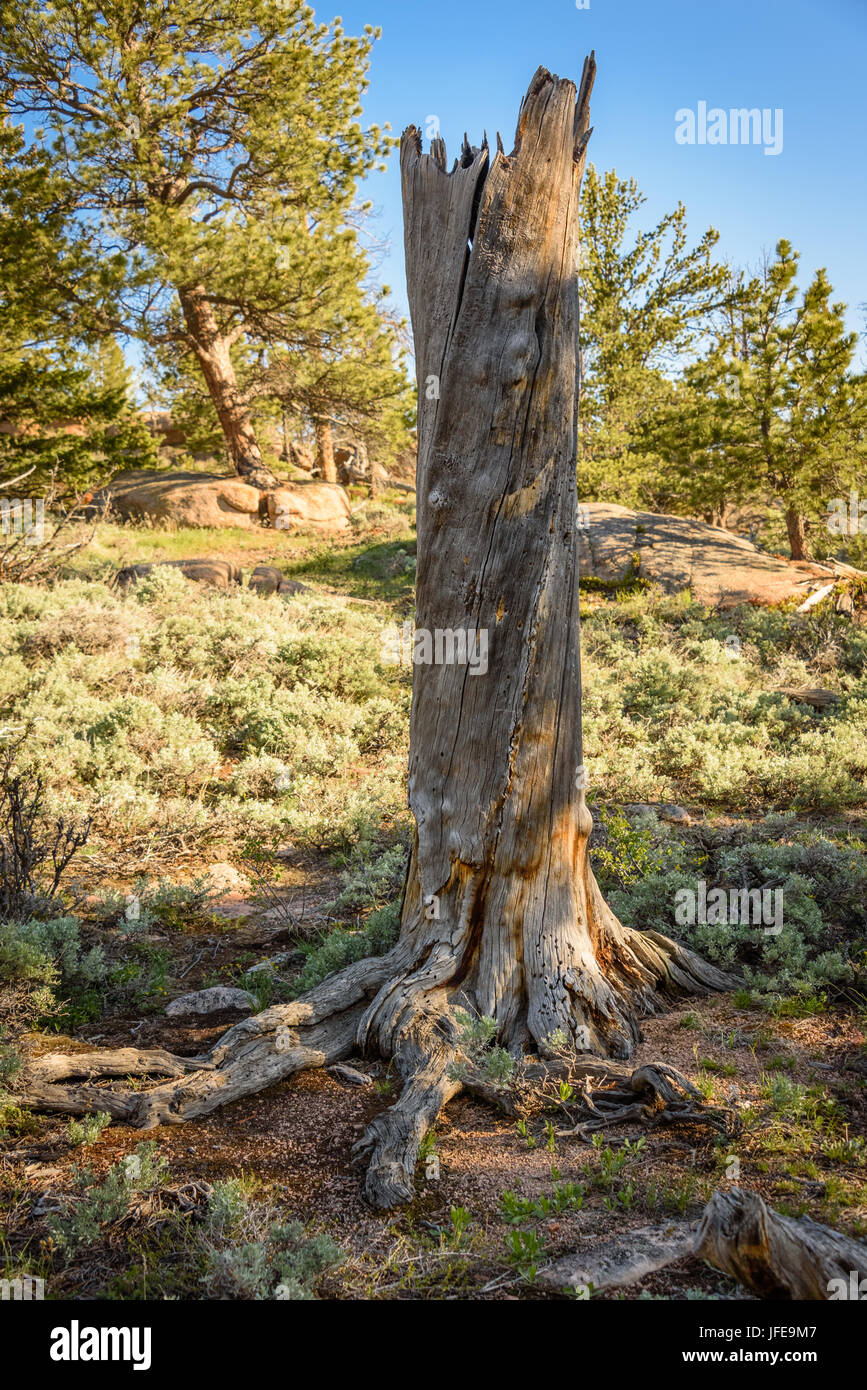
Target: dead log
779,1256
818,698
773,1256
623,1260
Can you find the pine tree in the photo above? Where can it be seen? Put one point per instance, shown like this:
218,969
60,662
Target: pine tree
646,298
60,423
774,409
65,395
211,158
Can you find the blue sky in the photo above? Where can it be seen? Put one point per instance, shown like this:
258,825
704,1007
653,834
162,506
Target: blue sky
468,62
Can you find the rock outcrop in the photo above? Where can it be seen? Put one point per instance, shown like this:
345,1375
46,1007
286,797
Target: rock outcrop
183,499
210,501
309,507
676,552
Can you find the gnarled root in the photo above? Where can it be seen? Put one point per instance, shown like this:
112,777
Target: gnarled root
244,1061
252,1055
654,1095
391,1142
603,1094
402,1006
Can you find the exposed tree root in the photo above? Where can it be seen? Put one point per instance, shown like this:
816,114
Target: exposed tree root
390,1145
251,1056
404,1011
603,1094
653,1095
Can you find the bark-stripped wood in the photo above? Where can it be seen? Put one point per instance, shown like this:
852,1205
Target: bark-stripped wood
502,914
773,1256
325,449
779,1256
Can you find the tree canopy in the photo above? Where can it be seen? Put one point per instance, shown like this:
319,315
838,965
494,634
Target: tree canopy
774,407
646,298
706,388
208,161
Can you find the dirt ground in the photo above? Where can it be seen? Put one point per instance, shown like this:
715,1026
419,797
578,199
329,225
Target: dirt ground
296,1141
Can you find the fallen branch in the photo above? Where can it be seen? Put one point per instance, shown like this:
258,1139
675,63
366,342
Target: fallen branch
818,698
773,1256
815,598
778,1256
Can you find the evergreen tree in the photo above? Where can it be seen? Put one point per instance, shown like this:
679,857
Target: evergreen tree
58,419
65,406
774,409
211,157
646,299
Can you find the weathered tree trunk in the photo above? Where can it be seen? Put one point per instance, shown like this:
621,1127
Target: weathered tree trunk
373,473
798,544
496,782
325,449
214,358
502,916
502,912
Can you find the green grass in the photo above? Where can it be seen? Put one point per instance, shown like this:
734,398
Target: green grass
179,713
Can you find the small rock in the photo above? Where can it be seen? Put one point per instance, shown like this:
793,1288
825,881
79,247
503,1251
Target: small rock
676,815
286,960
280,915
234,909
219,574
225,878
211,1001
